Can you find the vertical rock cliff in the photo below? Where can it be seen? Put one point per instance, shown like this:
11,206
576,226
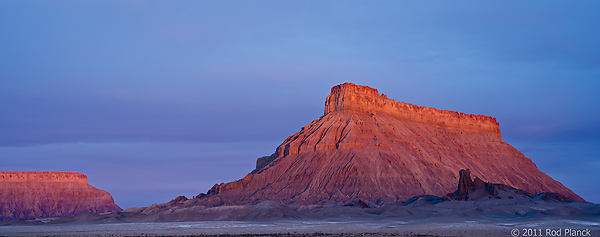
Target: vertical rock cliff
381,151
31,195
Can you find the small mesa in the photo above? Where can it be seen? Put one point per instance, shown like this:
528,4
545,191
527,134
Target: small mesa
31,195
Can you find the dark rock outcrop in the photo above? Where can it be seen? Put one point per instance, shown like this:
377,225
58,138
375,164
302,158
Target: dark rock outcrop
467,186
178,200
262,162
358,203
549,196
477,189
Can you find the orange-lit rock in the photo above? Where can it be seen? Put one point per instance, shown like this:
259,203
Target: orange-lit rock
30,195
371,148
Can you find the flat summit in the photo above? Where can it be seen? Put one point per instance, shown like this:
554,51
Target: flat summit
371,148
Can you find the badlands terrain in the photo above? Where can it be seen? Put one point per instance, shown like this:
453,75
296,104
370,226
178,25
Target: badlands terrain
476,208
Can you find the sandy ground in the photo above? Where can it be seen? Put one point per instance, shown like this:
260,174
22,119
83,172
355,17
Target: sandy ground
421,227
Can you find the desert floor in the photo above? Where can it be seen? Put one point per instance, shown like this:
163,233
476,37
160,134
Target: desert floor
455,226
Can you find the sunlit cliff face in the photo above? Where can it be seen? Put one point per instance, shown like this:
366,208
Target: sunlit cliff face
43,177
351,98
362,101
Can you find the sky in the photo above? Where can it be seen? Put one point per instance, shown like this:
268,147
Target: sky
156,99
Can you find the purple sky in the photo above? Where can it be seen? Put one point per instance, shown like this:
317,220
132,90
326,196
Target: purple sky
153,100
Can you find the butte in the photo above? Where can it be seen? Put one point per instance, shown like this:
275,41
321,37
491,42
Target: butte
371,148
